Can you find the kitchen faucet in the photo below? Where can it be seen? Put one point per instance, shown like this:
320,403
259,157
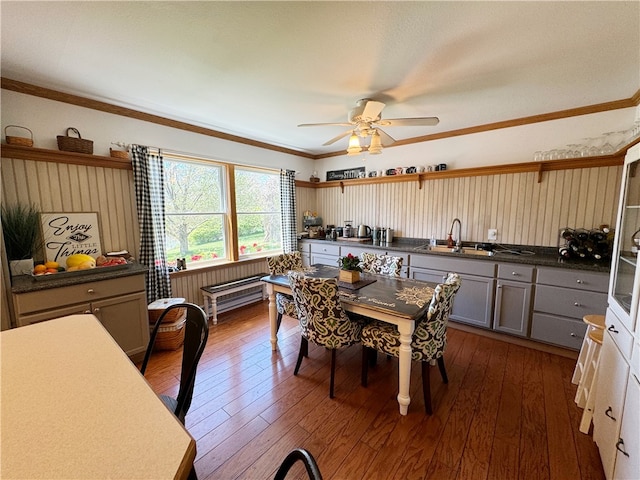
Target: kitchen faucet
458,244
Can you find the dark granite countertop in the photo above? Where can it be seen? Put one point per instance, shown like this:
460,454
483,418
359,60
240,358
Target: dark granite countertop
27,283
540,256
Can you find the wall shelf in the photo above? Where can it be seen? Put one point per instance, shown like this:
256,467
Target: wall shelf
58,156
616,159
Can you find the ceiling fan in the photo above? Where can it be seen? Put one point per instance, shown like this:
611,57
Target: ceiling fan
365,121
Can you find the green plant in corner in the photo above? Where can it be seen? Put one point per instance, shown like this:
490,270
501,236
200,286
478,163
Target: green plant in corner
349,262
21,230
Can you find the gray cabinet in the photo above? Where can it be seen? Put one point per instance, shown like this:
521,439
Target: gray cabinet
305,253
119,303
325,254
513,299
473,304
562,298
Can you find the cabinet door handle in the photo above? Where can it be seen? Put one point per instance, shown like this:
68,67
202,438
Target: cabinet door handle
612,329
91,290
579,281
608,413
619,446
87,311
96,310
499,286
572,334
576,304
515,274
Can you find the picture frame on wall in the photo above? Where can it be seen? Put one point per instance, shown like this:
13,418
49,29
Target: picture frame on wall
65,234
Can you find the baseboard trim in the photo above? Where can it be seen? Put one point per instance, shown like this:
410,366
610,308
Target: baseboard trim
523,342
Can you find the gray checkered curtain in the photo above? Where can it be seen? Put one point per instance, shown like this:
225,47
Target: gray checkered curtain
148,175
288,210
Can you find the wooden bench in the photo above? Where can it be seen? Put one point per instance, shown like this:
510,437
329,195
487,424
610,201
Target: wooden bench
212,292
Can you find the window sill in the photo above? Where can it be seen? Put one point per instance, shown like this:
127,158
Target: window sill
198,269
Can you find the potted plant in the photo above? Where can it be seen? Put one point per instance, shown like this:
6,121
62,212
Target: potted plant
349,269
21,230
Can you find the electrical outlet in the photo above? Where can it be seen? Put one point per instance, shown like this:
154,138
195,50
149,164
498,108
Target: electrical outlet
492,234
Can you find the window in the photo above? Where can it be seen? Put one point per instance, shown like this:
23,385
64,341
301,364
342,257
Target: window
258,211
195,209
200,219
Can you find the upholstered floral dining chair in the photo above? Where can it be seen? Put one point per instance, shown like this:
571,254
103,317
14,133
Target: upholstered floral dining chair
429,338
322,319
380,264
282,265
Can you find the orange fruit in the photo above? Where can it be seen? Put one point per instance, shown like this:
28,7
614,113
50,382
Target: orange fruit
51,270
52,264
39,269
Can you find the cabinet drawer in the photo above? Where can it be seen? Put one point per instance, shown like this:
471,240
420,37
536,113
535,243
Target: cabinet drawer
325,249
516,273
303,247
357,250
318,258
619,333
596,282
82,293
569,302
558,331
457,265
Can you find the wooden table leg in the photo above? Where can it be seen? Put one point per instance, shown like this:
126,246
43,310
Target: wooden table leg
404,365
273,317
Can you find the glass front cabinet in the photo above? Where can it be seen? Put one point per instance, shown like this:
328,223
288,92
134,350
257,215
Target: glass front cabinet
616,419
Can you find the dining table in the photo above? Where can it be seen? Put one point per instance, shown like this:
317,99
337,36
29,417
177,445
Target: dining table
395,300
74,406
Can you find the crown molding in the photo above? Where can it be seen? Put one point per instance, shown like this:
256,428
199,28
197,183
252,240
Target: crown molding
29,89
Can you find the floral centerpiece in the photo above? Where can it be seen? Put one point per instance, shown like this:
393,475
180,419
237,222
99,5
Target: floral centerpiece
349,269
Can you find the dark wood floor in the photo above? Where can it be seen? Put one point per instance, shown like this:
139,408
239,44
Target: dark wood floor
507,412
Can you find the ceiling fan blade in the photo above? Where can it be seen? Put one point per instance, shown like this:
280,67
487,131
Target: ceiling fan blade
386,139
410,122
335,139
372,110
324,124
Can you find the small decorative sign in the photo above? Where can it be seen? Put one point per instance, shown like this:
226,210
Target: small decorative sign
344,174
66,234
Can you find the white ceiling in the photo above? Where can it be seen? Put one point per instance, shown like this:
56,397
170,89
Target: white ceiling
258,69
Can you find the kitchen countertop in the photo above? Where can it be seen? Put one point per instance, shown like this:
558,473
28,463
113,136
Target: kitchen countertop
543,256
27,283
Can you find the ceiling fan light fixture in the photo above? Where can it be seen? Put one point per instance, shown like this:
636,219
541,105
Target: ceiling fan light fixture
376,143
354,145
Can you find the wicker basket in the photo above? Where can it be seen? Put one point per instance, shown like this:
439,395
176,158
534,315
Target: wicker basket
73,144
119,154
22,141
156,308
171,335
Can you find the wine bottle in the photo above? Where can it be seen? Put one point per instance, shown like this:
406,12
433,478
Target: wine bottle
581,234
567,233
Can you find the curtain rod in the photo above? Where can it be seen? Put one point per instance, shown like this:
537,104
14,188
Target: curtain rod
193,156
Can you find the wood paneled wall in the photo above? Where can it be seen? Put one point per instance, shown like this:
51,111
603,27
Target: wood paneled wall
62,187
523,210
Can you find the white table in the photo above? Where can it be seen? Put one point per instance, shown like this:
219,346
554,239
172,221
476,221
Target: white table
74,406
399,301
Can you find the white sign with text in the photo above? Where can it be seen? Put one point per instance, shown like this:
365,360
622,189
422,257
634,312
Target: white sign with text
65,234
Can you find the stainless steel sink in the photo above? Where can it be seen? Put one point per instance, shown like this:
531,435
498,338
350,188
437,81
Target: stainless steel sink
462,251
